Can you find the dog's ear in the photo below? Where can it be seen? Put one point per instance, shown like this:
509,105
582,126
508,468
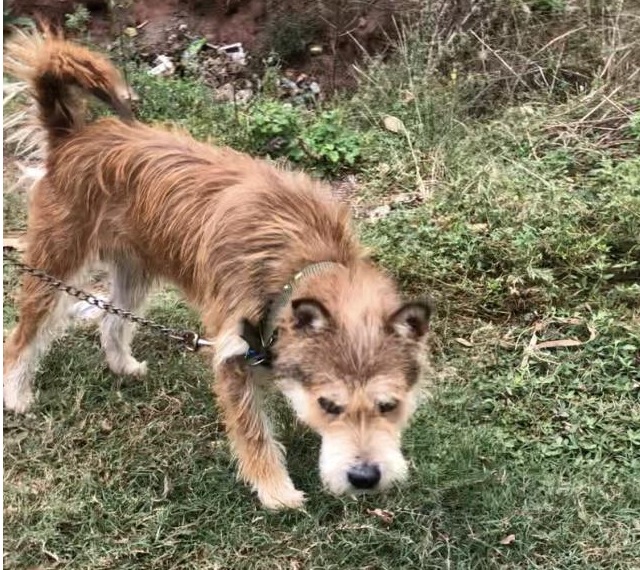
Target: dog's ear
411,321
251,334
229,345
310,315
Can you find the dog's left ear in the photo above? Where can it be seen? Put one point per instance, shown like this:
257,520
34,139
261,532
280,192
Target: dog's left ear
310,315
411,321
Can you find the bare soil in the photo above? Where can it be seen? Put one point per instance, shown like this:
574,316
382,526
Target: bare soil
345,31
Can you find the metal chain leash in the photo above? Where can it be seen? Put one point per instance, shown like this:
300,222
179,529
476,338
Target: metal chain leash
191,340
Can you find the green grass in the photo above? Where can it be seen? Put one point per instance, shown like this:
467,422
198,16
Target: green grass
519,233
108,473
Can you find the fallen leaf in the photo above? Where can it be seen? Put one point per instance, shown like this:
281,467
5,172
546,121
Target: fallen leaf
379,213
385,516
393,124
407,97
509,539
464,342
406,198
51,555
479,228
541,325
560,343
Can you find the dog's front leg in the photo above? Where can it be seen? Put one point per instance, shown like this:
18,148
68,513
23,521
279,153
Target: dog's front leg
260,457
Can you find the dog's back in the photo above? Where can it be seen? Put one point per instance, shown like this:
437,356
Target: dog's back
194,213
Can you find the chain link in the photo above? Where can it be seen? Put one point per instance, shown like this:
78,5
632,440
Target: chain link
190,339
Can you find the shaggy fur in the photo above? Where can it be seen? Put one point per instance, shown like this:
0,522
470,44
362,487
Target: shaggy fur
231,231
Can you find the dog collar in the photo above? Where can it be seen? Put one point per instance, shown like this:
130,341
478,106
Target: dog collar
261,338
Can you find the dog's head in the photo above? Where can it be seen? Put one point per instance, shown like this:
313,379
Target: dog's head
348,358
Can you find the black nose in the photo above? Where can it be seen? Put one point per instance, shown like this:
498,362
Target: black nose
364,476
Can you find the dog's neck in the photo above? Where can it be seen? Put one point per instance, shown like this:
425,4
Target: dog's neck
261,337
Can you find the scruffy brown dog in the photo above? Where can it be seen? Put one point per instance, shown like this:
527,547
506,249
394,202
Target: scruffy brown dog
239,236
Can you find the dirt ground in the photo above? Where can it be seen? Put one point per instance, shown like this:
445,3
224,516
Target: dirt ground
345,32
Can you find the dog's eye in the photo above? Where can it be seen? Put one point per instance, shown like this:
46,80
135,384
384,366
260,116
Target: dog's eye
330,407
385,407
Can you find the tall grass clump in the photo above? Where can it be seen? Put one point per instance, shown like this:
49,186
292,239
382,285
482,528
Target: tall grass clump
528,193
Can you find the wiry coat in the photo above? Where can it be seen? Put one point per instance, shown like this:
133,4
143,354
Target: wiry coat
231,231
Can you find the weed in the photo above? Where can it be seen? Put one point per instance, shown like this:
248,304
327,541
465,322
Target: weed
77,22
317,141
330,144
273,128
187,103
320,141
634,126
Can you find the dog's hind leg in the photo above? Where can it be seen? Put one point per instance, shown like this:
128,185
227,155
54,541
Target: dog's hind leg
43,313
260,457
130,288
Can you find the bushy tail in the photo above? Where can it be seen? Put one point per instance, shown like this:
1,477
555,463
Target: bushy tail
53,69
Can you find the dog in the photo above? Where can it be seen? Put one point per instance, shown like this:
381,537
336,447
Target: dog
266,255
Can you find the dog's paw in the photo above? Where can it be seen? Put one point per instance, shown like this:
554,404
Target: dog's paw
17,402
129,367
283,497
136,368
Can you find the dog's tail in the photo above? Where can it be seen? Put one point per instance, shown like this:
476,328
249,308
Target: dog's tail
54,69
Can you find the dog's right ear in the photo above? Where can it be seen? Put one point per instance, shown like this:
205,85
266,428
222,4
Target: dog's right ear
411,321
310,315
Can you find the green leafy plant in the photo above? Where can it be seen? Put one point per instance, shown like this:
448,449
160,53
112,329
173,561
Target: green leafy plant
10,20
78,20
165,99
320,142
331,145
273,128
634,126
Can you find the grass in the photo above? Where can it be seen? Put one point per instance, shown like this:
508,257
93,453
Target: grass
523,225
